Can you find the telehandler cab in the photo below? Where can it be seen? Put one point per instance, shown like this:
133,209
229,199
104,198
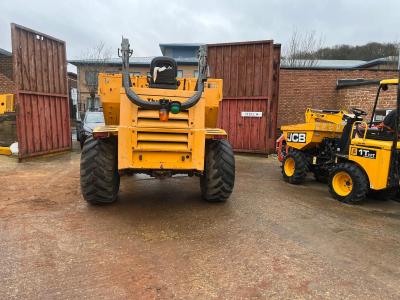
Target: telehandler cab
341,148
160,126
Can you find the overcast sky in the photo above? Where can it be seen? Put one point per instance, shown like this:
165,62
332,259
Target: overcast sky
147,23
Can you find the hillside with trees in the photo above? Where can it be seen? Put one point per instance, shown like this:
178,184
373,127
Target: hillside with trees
304,49
364,52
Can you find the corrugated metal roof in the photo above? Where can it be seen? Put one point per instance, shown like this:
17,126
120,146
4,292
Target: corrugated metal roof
133,61
111,61
337,63
322,64
378,61
5,52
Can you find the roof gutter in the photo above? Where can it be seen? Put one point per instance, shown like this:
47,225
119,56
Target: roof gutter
344,83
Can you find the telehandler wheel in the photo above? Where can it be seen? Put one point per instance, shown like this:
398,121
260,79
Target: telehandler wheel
218,178
294,167
348,183
99,171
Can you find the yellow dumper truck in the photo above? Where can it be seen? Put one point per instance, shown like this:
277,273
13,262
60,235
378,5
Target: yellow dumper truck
340,147
159,126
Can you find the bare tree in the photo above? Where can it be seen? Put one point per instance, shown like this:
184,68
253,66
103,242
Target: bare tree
96,59
393,61
302,49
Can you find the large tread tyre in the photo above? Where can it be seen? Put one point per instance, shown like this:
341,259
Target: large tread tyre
82,142
295,167
99,171
218,178
321,175
348,183
384,195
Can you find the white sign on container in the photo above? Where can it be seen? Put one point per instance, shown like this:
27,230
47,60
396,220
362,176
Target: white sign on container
251,114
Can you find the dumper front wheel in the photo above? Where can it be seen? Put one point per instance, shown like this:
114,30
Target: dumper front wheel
348,183
294,167
99,171
218,178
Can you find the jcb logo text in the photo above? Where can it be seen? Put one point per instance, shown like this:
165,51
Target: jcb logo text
297,137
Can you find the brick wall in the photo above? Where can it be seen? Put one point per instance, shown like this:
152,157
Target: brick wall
364,97
300,89
6,66
6,85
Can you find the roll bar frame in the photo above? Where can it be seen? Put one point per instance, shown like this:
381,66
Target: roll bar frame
125,52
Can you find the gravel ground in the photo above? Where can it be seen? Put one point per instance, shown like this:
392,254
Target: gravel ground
160,241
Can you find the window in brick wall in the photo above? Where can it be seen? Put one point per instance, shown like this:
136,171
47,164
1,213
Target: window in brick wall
91,78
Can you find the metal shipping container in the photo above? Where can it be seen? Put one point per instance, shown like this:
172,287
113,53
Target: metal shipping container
40,75
250,73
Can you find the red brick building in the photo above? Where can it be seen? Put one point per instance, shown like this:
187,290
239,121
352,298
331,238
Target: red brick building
6,72
6,66
318,88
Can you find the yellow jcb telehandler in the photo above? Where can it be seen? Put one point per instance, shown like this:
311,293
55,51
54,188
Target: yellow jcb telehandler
160,126
354,156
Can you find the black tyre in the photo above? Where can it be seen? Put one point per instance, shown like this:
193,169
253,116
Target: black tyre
218,178
99,171
348,183
321,175
81,142
294,167
383,195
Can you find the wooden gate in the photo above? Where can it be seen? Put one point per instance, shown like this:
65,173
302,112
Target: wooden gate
250,73
40,75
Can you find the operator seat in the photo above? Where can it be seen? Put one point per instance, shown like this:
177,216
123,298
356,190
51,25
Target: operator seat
383,131
389,122
163,73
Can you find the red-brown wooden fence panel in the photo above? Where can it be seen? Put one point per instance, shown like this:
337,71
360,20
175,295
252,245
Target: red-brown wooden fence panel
250,73
40,75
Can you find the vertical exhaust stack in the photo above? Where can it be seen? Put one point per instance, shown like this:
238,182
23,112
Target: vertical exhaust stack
125,54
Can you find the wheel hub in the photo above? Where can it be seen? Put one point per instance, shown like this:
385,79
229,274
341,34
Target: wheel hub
342,183
289,166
